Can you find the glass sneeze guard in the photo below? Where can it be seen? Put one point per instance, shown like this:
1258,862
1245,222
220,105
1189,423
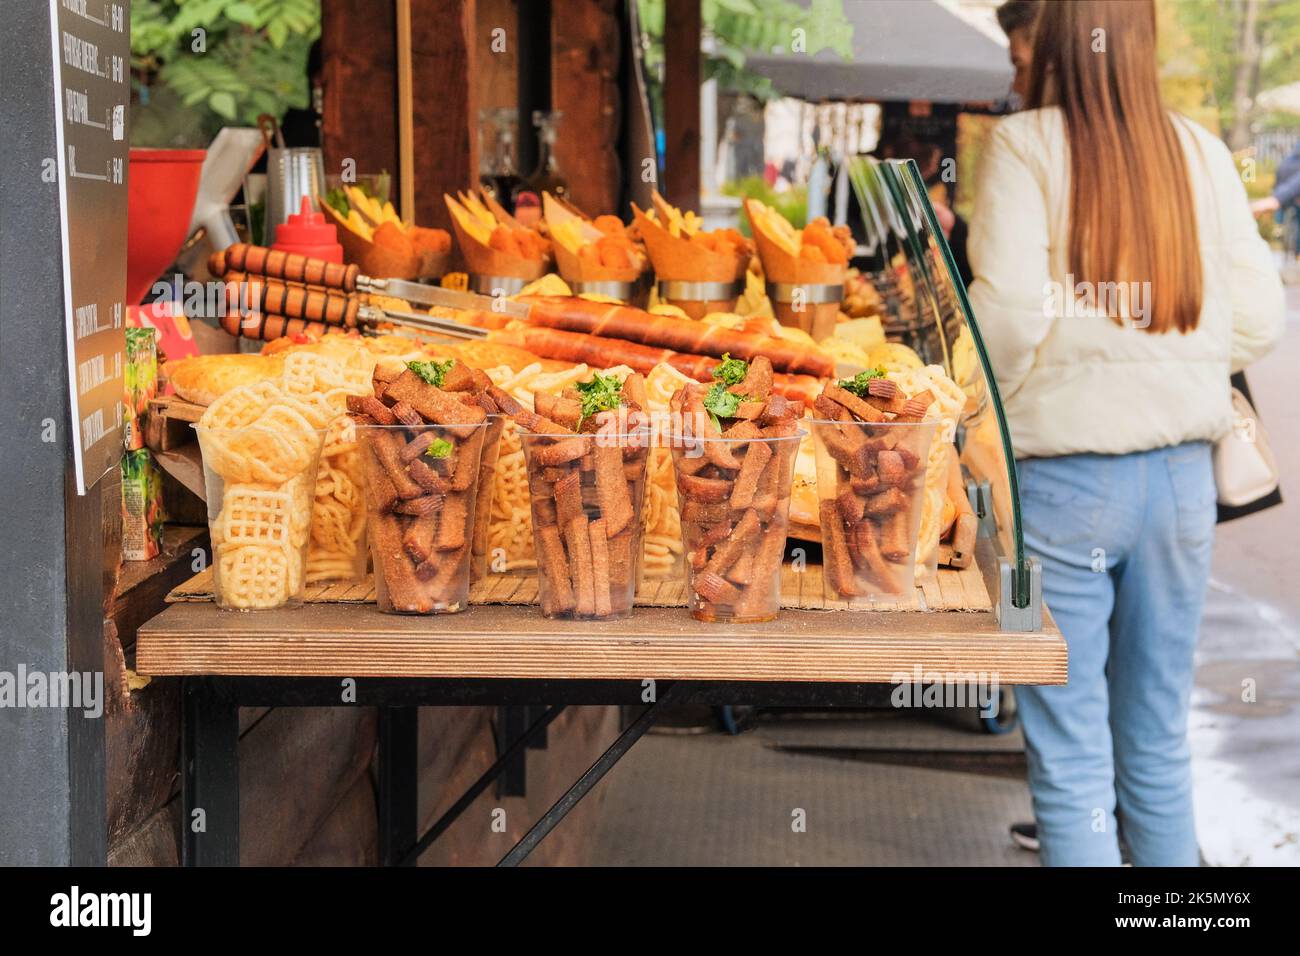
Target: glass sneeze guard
930,313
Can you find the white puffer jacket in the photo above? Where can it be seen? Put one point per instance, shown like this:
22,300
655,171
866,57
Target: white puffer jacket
1081,383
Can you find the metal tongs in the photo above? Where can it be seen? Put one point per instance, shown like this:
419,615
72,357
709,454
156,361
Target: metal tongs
320,294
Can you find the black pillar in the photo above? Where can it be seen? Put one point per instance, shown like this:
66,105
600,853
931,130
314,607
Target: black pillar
52,789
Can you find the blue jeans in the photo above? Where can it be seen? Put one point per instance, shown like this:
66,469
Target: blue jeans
1125,543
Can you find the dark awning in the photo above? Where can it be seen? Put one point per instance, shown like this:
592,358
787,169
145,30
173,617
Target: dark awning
902,50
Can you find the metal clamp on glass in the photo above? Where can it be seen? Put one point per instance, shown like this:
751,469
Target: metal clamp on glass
805,293
683,290
980,495
1020,619
496,285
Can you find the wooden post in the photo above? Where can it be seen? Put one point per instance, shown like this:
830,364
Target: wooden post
681,184
445,107
585,51
359,57
405,119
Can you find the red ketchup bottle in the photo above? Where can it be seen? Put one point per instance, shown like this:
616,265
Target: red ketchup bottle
307,234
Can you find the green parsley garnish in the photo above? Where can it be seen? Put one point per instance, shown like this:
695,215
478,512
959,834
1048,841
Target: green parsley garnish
720,403
859,383
731,371
438,448
603,393
432,372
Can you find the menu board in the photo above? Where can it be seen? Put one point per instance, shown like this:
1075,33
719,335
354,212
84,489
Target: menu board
92,87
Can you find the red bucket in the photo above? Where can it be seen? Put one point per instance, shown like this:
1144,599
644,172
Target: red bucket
161,188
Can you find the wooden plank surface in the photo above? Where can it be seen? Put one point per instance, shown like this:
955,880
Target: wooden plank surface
509,641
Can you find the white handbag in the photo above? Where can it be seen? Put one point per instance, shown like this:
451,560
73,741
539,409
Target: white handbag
1244,467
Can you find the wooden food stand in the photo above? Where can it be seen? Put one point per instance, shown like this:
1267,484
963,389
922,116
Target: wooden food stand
502,652
103,791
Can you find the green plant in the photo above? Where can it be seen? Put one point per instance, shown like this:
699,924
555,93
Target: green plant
220,61
735,29
1239,48
793,203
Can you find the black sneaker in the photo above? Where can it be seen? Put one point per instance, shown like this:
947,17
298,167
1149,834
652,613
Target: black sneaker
1025,836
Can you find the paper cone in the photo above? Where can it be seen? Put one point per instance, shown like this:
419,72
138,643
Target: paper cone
564,204
376,261
555,212
676,257
497,209
779,265
482,259
573,268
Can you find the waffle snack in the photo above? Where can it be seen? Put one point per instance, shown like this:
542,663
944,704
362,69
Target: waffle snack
586,452
734,459
259,457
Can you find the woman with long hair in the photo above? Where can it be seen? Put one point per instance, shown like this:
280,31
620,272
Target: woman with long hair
1119,279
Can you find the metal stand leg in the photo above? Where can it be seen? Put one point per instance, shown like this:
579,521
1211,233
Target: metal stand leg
209,774
534,714
537,729
398,782
621,745
511,724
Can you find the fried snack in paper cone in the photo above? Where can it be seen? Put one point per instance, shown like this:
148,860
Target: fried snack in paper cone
482,259
785,264
781,263
570,233
557,212
574,268
676,257
494,207
666,212
377,260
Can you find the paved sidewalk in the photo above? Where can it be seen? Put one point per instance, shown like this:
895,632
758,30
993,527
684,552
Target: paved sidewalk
717,800
1246,754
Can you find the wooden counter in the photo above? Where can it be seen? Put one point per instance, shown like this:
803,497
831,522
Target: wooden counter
513,640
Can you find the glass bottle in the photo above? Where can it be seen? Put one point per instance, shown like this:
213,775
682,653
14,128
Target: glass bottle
547,177
501,181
